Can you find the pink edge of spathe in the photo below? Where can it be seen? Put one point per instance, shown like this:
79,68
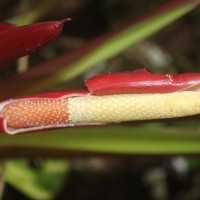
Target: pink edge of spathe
142,81
51,95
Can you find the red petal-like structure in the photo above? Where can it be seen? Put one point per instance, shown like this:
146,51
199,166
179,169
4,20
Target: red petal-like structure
19,41
6,26
141,81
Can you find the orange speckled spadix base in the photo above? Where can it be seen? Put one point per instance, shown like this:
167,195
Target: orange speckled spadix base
36,112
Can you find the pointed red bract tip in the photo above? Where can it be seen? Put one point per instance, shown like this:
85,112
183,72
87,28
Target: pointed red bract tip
66,19
23,40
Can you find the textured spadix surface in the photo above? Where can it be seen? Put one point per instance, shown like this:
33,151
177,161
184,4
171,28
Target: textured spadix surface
130,107
100,109
36,112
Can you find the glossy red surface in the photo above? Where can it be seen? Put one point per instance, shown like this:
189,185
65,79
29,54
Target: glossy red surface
20,41
6,26
140,81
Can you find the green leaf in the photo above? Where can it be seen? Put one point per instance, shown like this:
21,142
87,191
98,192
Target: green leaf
120,41
108,139
42,183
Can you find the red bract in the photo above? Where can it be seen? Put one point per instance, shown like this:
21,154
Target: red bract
20,41
6,25
141,81
123,97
